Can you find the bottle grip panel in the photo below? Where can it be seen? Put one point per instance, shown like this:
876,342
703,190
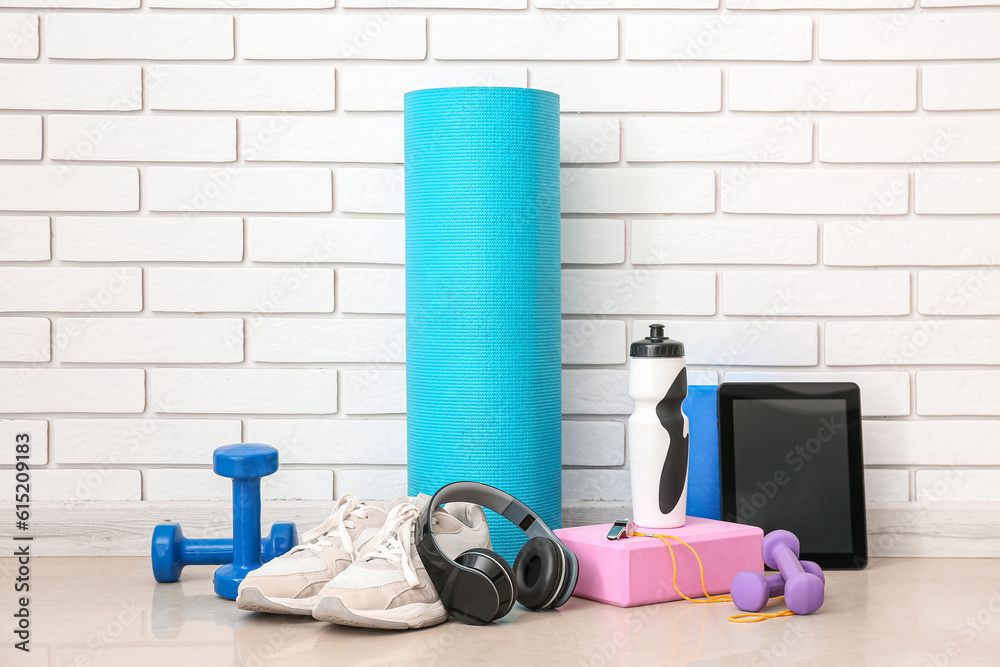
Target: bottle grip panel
675,464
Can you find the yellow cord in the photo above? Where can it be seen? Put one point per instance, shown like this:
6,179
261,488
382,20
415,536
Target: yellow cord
737,618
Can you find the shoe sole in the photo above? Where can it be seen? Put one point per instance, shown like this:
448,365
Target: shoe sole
411,616
251,599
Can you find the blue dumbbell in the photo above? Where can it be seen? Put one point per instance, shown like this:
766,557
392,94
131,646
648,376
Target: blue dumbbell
172,552
245,464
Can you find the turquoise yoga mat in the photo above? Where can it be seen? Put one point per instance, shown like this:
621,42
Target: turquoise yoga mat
482,296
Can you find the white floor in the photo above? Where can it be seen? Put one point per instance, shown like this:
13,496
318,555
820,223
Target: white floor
108,611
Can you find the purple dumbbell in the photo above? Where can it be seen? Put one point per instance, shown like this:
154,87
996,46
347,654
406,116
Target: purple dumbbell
751,590
803,591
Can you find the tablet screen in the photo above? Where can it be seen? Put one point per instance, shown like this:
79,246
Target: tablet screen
791,469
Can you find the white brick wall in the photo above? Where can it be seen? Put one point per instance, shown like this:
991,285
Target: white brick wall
202,239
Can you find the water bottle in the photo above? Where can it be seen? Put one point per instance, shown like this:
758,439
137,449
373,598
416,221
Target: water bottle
658,431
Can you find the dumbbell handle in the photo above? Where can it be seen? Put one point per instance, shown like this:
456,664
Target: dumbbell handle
246,523
219,552
788,563
776,582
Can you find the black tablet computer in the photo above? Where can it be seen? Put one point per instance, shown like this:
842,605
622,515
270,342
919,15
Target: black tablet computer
790,458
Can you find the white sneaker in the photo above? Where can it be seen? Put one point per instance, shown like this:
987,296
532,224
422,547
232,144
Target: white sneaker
289,584
387,586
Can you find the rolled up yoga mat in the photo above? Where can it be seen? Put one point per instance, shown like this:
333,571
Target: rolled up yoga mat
482,296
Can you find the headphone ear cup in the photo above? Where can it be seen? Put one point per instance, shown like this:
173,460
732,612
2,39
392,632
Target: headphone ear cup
496,569
539,573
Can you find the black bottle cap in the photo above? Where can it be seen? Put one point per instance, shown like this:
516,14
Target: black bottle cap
657,345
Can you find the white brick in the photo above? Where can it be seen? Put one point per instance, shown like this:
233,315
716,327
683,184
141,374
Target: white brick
957,191
382,88
584,485
958,3
279,391
76,390
159,239
391,36
599,392
72,4
24,238
44,188
20,137
969,292
593,341
627,4
910,140
887,485
264,189
187,340
589,140
855,293
374,391
699,377
757,342
910,242
20,36
958,485
24,339
142,440
179,484
447,4
373,291
37,431
964,392
788,88
354,340
372,484
593,443
524,37
326,240
819,4
586,190
932,442
318,139
663,139
141,138
89,87
73,485
883,36
911,343
139,36
592,241
71,290
633,88
194,290
816,191
363,190
242,4
883,393
723,241
642,291
333,441
243,87
718,37
955,87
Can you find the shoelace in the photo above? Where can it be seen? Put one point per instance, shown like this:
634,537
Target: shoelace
397,538
342,519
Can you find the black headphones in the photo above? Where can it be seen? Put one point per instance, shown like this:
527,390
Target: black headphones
479,586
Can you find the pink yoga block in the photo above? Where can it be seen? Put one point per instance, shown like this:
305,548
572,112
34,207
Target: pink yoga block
637,570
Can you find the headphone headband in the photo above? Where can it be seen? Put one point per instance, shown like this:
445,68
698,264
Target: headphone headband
443,570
